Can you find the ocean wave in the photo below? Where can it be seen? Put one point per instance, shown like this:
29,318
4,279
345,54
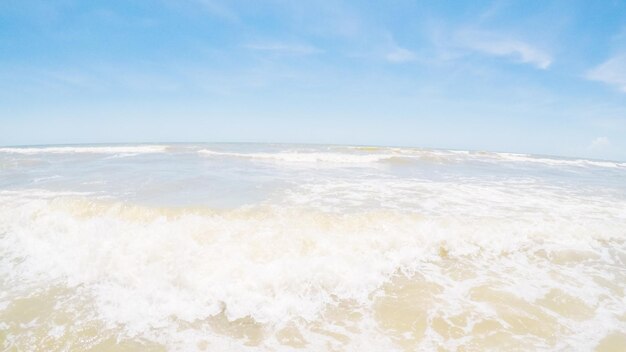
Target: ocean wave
140,149
257,248
361,157
336,155
304,157
558,161
147,269
396,155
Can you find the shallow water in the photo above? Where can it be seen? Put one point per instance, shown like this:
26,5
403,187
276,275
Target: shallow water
213,247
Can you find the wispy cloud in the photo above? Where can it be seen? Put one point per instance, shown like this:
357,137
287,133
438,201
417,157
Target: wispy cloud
218,9
612,72
599,143
389,49
108,77
400,55
284,48
503,46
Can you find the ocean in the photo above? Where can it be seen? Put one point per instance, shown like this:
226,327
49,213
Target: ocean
270,247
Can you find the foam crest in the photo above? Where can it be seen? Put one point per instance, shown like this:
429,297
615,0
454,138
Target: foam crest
140,149
372,155
289,264
559,161
304,157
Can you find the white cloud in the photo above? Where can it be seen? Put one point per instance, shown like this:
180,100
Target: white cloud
98,78
284,48
400,55
497,45
219,9
390,50
599,143
612,71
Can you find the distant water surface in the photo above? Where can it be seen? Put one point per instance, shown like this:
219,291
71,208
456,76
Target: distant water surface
246,247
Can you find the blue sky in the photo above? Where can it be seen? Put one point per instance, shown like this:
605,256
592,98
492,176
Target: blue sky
521,76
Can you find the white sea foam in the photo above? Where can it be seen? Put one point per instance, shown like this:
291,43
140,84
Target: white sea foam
558,161
304,157
347,259
141,149
371,155
280,263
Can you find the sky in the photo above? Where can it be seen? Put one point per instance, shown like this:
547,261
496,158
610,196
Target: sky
541,77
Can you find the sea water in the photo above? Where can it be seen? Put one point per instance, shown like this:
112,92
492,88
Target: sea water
259,247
